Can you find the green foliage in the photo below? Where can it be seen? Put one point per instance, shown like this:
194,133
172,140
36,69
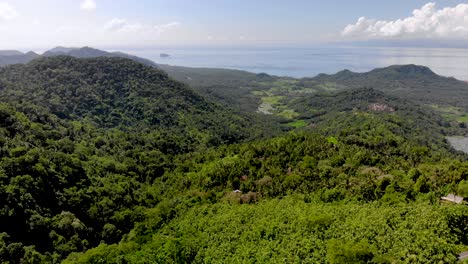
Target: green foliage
417,83
290,230
350,252
109,161
81,143
298,124
463,188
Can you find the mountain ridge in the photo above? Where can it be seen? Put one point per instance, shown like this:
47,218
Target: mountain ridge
16,57
416,82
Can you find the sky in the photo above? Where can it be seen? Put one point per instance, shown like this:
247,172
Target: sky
114,24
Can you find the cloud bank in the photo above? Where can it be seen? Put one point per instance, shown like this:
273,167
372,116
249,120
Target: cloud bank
124,26
426,22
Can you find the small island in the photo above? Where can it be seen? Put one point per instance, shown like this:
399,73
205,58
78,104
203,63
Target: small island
164,55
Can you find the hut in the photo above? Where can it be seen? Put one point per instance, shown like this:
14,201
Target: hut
453,198
463,255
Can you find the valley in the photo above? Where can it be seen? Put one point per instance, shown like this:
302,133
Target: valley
111,159
176,131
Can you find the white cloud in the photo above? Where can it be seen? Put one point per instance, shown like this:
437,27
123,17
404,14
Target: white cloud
427,22
7,11
116,24
88,5
122,25
165,27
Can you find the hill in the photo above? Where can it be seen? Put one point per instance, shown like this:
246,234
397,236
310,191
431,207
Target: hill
229,87
255,92
15,57
83,140
414,82
87,52
10,52
351,189
243,90
116,92
107,160
276,95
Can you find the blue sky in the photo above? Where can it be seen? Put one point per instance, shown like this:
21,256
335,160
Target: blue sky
33,24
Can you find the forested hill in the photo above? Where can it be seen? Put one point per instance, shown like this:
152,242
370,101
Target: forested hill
416,122
109,91
116,92
106,160
83,140
17,57
234,88
362,185
8,58
415,82
249,91
88,52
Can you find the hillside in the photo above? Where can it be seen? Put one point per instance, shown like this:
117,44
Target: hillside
87,52
252,92
240,90
16,57
10,52
418,83
83,140
352,189
229,87
277,96
115,92
107,160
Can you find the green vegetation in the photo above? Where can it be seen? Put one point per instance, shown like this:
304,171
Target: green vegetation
288,114
354,197
463,118
452,113
106,160
274,100
82,142
298,124
416,83
234,233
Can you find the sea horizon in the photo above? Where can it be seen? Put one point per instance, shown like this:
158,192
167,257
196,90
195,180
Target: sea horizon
300,62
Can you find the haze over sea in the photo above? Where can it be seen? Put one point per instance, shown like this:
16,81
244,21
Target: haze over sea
308,62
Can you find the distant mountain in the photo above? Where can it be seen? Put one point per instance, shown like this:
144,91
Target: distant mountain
112,157
87,52
234,87
414,82
15,57
9,57
10,52
391,73
61,49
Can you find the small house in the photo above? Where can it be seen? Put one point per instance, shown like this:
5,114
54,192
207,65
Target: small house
463,255
453,198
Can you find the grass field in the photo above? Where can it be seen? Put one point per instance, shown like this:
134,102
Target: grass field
298,124
451,113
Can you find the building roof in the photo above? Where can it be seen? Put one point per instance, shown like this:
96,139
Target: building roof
463,255
453,198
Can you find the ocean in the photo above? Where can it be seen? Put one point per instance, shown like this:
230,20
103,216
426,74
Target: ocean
308,62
